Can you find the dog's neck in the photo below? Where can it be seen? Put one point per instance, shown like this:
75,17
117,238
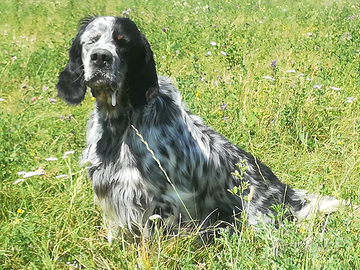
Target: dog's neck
114,121
110,104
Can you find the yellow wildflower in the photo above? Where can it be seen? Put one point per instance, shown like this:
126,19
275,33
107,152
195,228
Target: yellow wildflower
197,93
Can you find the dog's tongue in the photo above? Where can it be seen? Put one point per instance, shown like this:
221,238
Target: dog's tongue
113,98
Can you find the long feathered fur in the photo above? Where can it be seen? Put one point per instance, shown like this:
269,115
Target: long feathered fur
187,175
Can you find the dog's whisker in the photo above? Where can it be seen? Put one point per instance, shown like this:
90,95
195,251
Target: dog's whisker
80,76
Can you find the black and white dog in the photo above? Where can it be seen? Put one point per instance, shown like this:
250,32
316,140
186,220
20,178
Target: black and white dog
190,170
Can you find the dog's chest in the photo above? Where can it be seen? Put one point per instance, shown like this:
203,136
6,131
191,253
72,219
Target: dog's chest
120,187
109,157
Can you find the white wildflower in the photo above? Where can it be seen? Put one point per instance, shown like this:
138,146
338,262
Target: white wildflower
268,78
213,43
31,174
335,88
51,159
350,99
155,217
18,181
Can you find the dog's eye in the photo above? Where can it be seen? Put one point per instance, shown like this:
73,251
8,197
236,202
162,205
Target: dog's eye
92,40
120,40
95,39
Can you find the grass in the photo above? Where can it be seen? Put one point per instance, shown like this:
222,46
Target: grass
306,131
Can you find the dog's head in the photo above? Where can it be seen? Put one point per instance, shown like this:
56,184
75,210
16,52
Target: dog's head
112,58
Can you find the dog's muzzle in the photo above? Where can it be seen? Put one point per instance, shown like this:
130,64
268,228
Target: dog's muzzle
101,79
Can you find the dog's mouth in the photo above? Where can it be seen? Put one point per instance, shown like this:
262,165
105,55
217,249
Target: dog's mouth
105,95
103,88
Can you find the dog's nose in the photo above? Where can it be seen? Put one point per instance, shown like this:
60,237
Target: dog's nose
101,57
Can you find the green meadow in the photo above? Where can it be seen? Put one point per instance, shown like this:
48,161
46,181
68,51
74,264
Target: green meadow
278,78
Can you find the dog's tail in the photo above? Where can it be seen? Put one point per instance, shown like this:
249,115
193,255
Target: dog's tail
316,204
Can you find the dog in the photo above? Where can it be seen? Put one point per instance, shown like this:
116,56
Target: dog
147,156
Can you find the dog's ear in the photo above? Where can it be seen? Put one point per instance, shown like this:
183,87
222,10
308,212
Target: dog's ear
71,86
144,84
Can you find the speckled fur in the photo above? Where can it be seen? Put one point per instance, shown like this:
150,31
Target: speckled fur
198,161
